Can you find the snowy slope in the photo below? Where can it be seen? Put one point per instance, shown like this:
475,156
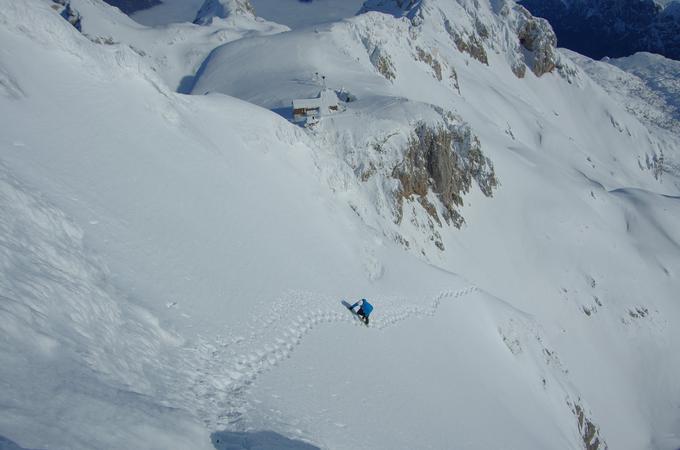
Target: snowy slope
172,266
76,353
198,269
175,51
647,93
554,261
647,86
659,74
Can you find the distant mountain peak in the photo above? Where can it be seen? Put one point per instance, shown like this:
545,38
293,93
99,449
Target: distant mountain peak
394,7
476,27
613,28
222,9
131,6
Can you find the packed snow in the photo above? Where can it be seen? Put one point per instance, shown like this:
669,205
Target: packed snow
173,267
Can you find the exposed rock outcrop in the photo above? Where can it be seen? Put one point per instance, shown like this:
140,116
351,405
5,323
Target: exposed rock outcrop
590,433
537,37
469,43
383,63
476,29
63,7
445,160
656,164
378,56
536,41
428,59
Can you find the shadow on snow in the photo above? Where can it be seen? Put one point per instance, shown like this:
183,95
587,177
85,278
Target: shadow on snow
256,440
6,444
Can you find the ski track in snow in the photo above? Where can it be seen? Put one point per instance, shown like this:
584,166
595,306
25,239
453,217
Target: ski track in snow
220,378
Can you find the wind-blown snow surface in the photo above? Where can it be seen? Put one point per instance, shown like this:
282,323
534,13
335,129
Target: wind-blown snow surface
172,266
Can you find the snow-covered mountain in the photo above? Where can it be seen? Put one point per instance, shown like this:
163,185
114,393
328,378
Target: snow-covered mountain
672,4
131,6
292,13
175,51
599,28
645,83
223,9
296,13
659,73
172,266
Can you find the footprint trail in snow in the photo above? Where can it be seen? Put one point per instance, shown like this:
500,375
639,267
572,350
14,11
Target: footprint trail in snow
222,371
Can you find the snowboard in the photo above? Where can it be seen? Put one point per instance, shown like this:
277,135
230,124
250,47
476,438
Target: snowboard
354,313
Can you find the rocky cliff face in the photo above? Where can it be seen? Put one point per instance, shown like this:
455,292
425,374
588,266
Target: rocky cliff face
614,28
72,16
477,29
538,39
444,160
417,172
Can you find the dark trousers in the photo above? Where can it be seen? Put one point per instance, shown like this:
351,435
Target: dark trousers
363,315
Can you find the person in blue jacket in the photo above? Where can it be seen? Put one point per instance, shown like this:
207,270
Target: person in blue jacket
365,309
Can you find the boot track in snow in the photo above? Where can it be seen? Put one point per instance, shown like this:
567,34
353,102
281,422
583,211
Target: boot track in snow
225,372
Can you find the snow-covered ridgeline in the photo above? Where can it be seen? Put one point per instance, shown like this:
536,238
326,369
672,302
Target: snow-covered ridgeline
645,84
176,51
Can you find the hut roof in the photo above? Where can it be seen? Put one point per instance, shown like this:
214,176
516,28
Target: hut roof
307,103
323,101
